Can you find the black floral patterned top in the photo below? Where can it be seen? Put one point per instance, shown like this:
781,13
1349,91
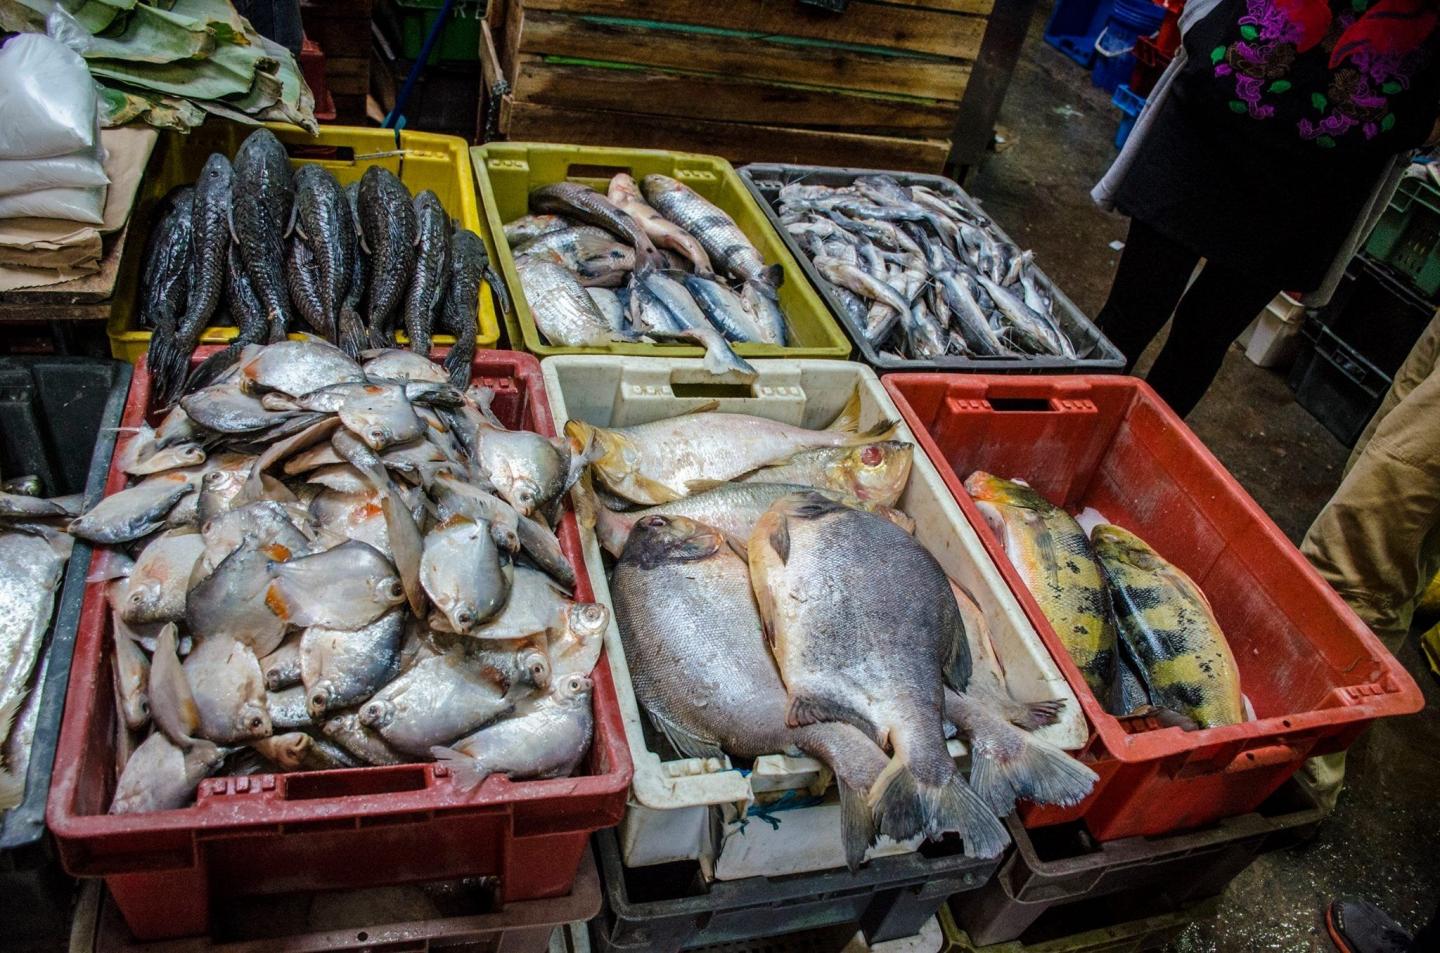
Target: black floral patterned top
1280,123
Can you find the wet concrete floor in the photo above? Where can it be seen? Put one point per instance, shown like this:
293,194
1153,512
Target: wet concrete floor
1383,840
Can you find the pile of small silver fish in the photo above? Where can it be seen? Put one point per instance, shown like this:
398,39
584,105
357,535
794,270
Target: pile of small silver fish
1140,630
323,563
34,549
770,599
261,242
664,265
920,274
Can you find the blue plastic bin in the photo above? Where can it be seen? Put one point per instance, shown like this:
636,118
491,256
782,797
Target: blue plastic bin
1130,105
1115,45
1074,25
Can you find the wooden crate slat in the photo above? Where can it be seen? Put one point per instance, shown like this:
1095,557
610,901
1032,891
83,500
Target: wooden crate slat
725,98
545,32
737,142
863,23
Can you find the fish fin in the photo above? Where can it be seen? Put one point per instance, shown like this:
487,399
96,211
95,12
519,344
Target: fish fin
953,806
1032,770
466,771
230,223
780,537
808,710
1168,717
291,226
883,430
1034,715
774,276
8,712
12,790
857,825
894,802
582,498
658,492
848,420
172,679
687,743
701,486
739,547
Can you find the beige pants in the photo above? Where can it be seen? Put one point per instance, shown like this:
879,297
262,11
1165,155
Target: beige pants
1377,541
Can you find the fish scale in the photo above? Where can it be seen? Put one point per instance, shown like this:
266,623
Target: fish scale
262,199
432,263
322,217
387,222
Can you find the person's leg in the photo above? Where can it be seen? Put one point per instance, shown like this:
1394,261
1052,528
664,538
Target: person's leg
1377,542
1429,936
1148,283
1218,306
1417,367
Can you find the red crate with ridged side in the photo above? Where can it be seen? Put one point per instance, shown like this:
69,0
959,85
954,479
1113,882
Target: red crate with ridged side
361,827
1314,673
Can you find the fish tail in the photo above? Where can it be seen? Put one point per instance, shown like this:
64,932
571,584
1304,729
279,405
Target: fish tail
848,420
467,771
953,806
857,825
894,800
1030,768
353,336
207,370
12,791
166,361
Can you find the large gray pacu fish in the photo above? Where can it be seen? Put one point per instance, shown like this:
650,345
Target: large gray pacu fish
870,655
700,667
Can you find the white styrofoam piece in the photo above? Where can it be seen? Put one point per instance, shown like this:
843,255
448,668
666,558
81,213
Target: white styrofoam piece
1274,339
618,391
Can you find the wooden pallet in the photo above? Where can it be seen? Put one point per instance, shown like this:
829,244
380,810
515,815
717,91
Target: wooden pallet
879,84
342,30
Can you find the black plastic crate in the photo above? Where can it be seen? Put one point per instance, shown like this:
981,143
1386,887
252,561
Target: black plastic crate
669,907
1052,871
1338,386
1377,314
1096,354
57,420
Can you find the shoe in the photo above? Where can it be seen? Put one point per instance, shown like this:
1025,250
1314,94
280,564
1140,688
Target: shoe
1358,926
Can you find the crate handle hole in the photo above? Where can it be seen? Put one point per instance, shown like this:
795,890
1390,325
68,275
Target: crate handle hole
362,936
712,391
1031,405
584,170
357,781
320,153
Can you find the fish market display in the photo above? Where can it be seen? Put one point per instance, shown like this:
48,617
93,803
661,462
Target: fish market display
33,552
1170,632
1139,629
920,274
351,563
680,267
771,600
270,249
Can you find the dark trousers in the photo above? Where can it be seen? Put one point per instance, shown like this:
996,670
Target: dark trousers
1148,287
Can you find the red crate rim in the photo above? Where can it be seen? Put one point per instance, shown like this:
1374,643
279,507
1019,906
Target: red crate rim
1124,746
608,744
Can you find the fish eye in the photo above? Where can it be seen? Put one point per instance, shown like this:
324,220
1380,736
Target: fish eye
871,456
377,433
464,618
256,723
653,522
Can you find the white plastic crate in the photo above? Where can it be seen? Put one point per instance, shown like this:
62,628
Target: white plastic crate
694,808
1274,337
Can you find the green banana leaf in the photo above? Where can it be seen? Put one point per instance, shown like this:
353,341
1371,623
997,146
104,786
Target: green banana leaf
228,71
123,106
219,17
152,35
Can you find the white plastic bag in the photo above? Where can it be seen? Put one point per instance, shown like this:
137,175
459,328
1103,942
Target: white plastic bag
47,99
78,170
74,205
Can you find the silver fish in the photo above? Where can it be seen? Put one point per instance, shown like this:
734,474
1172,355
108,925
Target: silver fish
548,742
160,578
342,668
162,777
349,733
438,700
722,239
346,587
229,690
464,573
134,512
563,312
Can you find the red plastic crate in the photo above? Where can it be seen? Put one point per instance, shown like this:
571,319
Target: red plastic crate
318,830
1314,673
312,67
1150,61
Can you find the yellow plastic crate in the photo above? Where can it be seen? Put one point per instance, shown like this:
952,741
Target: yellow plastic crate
422,160
508,172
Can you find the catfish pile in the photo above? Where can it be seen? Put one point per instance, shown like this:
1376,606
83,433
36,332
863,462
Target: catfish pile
771,599
260,244
920,274
1140,630
321,563
34,549
655,261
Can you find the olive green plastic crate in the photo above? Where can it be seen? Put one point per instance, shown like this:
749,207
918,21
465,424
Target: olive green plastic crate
1407,236
508,172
